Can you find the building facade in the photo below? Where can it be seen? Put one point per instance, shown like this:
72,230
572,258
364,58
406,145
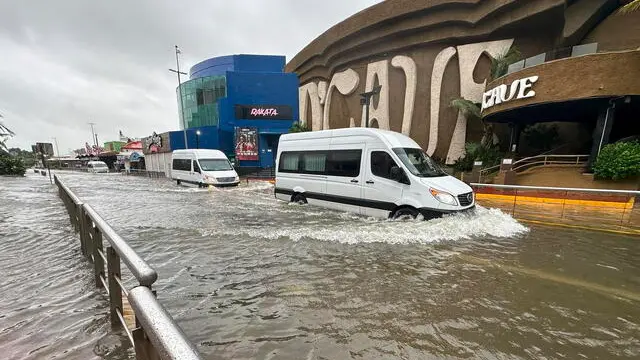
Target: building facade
424,54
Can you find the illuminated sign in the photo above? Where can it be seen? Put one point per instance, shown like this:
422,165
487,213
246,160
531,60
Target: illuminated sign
272,112
519,89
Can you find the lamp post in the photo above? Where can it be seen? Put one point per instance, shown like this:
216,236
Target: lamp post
366,101
57,149
198,139
177,71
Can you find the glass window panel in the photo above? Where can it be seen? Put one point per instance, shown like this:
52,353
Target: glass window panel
315,162
381,164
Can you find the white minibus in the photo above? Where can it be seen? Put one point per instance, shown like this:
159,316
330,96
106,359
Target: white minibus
202,167
367,171
97,167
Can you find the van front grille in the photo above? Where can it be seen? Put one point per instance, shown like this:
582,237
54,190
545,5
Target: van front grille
226,179
465,199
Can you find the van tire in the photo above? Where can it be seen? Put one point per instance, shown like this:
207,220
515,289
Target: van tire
299,199
405,212
178,182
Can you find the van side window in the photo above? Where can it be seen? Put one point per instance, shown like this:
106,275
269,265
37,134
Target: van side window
181,164
196,168
289,162
314,162
344,163
381,164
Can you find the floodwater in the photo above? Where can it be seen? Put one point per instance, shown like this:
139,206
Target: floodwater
248,277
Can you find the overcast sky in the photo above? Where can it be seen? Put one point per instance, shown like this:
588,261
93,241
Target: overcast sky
66,63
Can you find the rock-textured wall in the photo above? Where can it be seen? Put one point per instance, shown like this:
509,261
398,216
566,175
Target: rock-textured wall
424,53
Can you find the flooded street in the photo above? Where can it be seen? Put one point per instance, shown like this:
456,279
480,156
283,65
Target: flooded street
249,277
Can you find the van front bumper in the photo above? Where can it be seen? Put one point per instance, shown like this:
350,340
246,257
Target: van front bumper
429,213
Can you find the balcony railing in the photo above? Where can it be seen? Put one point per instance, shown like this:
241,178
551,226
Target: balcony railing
555,54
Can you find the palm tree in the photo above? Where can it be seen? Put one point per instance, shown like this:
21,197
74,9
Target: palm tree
473,112
500,64
5,133
634,5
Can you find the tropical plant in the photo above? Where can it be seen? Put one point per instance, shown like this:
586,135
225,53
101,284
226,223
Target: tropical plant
618,161
500,64
473,113
631,6
5,133
489,156
299,127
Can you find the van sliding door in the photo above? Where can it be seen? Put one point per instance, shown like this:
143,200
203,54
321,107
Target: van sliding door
344,177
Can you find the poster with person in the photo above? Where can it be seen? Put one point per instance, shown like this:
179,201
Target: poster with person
246,143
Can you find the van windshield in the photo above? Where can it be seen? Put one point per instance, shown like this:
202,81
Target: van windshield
418,162
215,164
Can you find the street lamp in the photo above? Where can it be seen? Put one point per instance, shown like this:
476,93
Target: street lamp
366,101
177,71
198,139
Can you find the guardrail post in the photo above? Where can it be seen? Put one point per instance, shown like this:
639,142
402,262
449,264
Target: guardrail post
98,262
82,228
144,348
88,231
115,293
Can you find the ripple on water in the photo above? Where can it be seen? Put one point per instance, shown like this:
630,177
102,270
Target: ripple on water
248,277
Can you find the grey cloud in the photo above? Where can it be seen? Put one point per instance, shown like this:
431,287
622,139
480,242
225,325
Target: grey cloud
67,62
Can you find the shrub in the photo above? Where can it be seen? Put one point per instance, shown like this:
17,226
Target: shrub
10,165
618,161
489,156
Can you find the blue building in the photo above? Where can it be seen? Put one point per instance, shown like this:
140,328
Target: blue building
240,104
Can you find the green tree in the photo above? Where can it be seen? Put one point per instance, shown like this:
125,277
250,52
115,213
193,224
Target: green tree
11,165
299,127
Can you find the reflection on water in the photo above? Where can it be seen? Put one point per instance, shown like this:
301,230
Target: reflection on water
249,277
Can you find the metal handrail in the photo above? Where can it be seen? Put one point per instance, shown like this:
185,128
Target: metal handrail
549,188
156,336
140,269
169,340
528,160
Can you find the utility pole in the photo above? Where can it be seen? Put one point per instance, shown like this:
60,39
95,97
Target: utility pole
93,134
177,71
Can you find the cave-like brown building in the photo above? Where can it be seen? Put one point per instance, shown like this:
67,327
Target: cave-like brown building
579,68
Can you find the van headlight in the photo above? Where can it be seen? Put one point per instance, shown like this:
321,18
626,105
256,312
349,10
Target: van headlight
237,178
443,197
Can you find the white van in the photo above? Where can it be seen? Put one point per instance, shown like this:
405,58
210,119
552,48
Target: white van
202,167
366,171
97,167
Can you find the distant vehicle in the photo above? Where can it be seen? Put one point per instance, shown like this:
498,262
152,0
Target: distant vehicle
367,171
202,167
97,167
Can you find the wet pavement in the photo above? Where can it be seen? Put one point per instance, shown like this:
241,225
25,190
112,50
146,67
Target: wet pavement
249,277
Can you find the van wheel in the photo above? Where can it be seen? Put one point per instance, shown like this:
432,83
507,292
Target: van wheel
178,182
405,213
299,199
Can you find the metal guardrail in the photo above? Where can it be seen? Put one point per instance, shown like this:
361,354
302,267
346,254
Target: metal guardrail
156,335
600,207
549,159
538,160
